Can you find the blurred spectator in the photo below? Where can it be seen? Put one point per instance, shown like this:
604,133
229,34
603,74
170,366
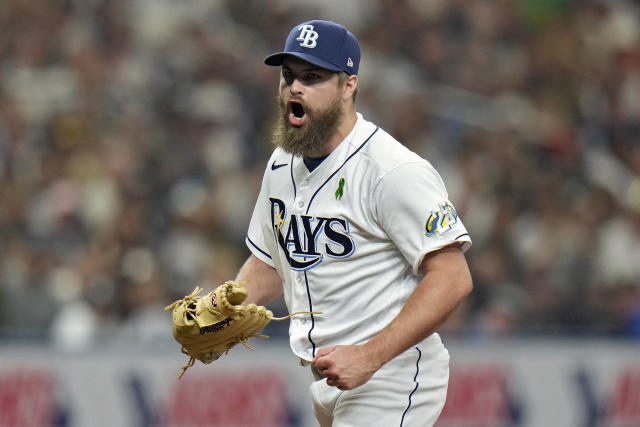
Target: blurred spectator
133,136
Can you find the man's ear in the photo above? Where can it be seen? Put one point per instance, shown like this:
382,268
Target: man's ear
350,86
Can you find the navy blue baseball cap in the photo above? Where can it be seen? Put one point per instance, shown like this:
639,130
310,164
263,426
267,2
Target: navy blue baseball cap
322,43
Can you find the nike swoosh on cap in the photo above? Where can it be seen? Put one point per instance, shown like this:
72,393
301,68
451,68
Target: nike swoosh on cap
274,166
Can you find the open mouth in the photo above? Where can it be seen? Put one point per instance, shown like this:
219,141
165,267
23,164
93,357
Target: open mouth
297,115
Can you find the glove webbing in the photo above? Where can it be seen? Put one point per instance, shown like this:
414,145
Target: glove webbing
191,298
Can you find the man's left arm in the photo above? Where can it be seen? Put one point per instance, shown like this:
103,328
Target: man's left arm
446,282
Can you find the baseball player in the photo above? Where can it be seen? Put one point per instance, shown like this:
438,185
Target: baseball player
352,224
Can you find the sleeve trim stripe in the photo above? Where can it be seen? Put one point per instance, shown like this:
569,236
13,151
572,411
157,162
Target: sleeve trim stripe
258,248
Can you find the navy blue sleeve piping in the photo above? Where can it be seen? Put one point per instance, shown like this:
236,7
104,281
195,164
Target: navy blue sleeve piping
258,248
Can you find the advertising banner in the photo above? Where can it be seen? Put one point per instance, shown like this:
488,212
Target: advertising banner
533,384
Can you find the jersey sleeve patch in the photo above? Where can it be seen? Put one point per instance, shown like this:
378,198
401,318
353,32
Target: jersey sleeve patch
441,220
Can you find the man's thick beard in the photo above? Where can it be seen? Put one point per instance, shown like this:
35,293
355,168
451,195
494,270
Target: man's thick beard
311,137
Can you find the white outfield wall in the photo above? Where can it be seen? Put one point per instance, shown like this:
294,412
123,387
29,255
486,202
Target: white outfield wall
540,383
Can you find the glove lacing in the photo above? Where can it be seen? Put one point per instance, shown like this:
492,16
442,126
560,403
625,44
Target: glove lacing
190,307
190,302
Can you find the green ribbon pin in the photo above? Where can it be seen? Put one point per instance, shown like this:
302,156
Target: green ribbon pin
340,189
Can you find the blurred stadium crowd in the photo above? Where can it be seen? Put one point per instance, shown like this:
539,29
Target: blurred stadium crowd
134,134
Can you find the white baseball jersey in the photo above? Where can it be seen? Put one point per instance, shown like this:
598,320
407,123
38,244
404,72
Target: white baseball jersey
347,239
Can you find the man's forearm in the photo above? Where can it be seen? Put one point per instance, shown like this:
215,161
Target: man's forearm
261,281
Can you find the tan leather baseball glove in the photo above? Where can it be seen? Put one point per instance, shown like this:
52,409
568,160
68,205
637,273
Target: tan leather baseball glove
209,326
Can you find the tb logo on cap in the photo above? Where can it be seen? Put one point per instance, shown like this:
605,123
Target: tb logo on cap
307,36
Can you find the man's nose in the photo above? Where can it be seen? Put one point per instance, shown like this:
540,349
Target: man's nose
296,87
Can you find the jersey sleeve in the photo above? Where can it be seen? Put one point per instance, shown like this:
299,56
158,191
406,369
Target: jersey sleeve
413,207
256,240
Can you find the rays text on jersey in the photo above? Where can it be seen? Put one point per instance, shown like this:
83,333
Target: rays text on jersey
305,239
